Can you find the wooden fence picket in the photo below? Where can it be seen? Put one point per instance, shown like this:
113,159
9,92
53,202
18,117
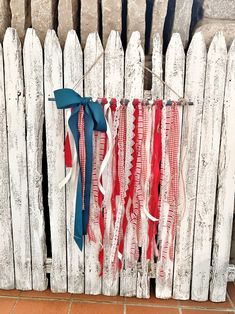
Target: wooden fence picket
208,165
190,144
114,68
93,88
134,88
73,71
7,277
55,162
225,189
174,77
34,103
15,108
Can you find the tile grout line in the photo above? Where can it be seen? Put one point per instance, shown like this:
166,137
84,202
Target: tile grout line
14,306
70,306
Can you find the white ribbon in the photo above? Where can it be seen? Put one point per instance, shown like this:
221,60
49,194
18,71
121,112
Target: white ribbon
67,178
109,152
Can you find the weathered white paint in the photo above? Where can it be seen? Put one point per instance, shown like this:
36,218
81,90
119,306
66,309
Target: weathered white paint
190,144
114,68
94,88
134,79
55,162
157,86
182,19
225,189
33,78
7,277
208,164
15,107
174,77
73,71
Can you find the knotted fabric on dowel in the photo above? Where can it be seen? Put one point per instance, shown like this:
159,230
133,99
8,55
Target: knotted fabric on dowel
93,120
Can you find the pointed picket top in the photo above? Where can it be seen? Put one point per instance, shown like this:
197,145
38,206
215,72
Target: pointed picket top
11,36
190,145
7,276
174,68
157,86
218,45
51,39
134,72
33,78
114,66
31,38
226,189
208,166
73,59
93,63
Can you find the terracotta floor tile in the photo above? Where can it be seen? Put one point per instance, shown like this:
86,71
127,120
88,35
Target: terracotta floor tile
98,298
231,291
12,293
207,304
152,300
150,310
6,305
41,307
198,311
96,308
45,294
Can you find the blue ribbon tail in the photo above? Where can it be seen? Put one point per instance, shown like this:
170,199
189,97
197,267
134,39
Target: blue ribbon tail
78,222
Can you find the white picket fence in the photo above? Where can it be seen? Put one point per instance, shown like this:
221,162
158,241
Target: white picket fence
207,162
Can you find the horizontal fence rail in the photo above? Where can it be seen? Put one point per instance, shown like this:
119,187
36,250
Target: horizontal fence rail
200,265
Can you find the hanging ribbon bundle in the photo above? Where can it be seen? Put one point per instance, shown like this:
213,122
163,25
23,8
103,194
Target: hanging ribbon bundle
126,155
92,119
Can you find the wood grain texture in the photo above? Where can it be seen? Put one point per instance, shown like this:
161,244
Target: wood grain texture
182,19
15,106
55,162
94,89
225,189
114,67
174,77
73,71
134,79
33,78
7,277
190,145
208,166
157,86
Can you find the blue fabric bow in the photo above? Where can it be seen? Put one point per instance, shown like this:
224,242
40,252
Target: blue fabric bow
93,120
